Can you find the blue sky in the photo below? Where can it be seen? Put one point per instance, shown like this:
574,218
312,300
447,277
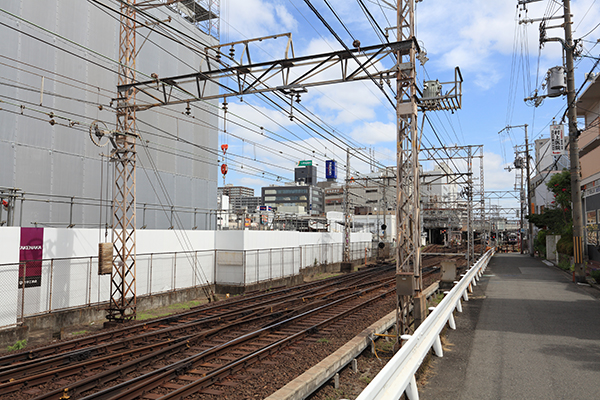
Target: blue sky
500,62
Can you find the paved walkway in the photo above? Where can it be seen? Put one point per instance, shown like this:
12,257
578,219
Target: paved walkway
527,332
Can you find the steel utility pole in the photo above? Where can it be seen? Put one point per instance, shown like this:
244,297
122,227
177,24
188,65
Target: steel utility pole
123,286
408,257
346,255
569,48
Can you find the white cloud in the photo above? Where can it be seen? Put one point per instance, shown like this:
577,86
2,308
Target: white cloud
374,132
248,121
495,176
255,18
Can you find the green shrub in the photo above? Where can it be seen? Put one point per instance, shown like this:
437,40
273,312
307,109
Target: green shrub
595,273
18,346
565,244
564,263
539,244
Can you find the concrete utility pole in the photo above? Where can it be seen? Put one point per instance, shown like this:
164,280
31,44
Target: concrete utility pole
569,48
529,209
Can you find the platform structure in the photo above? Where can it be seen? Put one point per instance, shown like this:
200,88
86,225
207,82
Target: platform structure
527,332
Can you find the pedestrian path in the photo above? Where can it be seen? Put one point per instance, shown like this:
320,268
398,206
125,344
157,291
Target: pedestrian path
527,332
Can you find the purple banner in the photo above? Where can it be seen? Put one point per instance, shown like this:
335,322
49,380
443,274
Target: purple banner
30,257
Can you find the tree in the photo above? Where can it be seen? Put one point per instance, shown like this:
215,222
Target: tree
558,219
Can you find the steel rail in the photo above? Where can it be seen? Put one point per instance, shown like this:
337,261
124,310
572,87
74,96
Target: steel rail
218,373
106,376
73,346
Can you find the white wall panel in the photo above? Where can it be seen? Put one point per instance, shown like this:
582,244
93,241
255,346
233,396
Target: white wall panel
9,274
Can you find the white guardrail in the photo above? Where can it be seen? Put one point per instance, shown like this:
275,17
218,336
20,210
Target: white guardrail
398,375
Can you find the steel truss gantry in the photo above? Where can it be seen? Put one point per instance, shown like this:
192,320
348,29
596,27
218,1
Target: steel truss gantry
471,191
289,76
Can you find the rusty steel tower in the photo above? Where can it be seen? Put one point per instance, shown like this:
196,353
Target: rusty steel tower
408,257
122,285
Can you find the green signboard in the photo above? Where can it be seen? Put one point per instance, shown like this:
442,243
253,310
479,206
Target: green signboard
304,163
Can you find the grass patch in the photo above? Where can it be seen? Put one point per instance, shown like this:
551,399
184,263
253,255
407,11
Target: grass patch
337,394
565,264
168,310
142,316
83,332
185,305
435,300
323,340
20,344
386,346
365,379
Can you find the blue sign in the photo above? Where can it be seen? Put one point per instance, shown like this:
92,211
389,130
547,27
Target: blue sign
331,169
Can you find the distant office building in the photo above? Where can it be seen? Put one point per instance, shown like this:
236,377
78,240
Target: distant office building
547,164
236,191
366,193
306,174
294,199
246,203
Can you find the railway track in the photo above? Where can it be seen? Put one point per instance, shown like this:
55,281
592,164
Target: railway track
193,352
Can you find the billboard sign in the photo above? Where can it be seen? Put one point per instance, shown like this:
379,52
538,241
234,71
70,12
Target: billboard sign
30,257
330,169
304,163
557,139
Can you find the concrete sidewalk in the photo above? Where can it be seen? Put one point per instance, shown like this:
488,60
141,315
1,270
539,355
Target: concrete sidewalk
527,332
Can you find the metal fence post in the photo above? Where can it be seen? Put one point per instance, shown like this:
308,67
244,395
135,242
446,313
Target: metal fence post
90,284
23,293
271,264
174,271
151,263
215,268
194,268
51,283
244,265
